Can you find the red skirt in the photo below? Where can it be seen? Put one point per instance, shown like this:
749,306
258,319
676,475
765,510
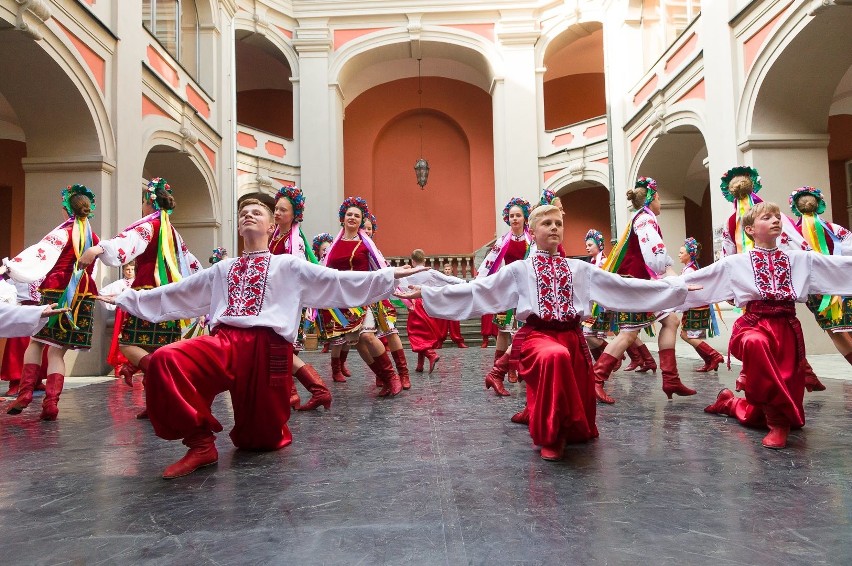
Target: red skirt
424,332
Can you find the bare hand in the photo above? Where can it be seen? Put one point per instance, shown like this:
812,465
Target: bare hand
108,299
694,287
413,293
407,270
89,257
51,310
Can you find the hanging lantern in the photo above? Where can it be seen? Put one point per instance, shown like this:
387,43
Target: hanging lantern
421,169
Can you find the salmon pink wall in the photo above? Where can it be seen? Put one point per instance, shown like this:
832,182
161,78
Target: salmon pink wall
585,209
572,99
12,185
269,110
455,214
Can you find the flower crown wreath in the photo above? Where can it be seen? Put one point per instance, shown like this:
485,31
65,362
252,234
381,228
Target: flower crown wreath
692,247
218,255
297,199
72,190
649,184
151,192
319,240
596,237
547,197
802,191
372,219
354,202
520,203
739,171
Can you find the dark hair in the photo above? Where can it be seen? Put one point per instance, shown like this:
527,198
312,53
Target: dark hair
418,255
77,203
164,200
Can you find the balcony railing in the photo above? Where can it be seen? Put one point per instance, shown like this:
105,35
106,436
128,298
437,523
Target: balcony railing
264,145
576,135
462,265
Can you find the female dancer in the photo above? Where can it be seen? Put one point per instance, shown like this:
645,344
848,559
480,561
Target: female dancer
68,283
514,246
698,321
320,245
353,250
551,294
161,258
289,239
641,253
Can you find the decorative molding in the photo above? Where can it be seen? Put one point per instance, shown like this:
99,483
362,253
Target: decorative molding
313,39
188,139
38,8
784,141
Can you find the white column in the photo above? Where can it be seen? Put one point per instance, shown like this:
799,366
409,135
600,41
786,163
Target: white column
226,102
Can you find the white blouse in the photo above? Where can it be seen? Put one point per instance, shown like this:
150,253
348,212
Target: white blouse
259,289
36,261
552,288
133,241
19,321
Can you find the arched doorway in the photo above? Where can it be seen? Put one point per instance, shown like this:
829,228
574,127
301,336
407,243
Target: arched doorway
264,90
586,205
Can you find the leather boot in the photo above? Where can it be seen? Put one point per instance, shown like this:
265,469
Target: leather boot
623,357
484,342
202,452
648,363
723,405
29,375
635,357
14,384
555,452
779,428
433,358
311,380
50,404
711,358
326,348
126,371
402,368
602,369
671,380
294,397
421,359
336,374
498,354
461,344
522,417
344,369
812,382
382,367
494,378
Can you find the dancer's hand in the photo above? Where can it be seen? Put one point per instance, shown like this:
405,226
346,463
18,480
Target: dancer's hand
108,299
694,287
89,256
51,310
414,293
407,270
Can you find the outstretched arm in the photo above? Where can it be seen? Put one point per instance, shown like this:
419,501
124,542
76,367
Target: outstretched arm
323,287
495,293
17,321
188,298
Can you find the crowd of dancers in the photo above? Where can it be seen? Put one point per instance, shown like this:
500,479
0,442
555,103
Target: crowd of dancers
563,325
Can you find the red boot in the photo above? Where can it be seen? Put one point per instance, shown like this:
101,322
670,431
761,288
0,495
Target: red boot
648,363
294,397
320,395
461,344
343,368
126,371
711,358
421,359
671,380
402,368
202,452
336,373
812,382
382,367
494,379
523,417
484,342
14,384
555,452
433,358
779,428
724,404
602,369
635,357
326,348
50,405
29,375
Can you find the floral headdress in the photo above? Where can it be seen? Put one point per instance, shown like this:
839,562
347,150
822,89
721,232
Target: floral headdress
218,255
372,218
647,183
151,192
319,240
802,191
739,171
596,237
547,197
520,203
353,202
72,190
297,199
692,247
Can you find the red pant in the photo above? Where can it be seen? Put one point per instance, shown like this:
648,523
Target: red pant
253,364
560,387
487,326
451,327
13,358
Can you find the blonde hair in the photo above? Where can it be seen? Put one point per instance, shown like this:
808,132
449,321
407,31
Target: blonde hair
757,211
418,256
637,197
541,211
251,201
741,186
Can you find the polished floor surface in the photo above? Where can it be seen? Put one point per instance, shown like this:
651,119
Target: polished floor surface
437,475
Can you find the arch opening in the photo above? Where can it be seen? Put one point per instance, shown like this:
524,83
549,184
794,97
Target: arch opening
264,90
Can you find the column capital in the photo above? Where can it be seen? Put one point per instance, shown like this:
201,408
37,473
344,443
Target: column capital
313,37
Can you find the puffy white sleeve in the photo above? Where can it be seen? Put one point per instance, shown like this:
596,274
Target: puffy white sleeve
19,321
323,287
37,260
188,298
627,294
829,275
716,282
845,237
728,245
128,245
495,293
430,278
652,245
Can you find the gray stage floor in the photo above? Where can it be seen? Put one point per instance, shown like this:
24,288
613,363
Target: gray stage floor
437,475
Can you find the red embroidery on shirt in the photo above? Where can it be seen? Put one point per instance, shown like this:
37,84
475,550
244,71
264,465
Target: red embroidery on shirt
54,241
554,282
247,285
772,274
41,255
144,232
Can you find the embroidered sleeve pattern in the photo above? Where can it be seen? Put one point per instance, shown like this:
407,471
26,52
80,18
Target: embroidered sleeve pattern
554,284
772,275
